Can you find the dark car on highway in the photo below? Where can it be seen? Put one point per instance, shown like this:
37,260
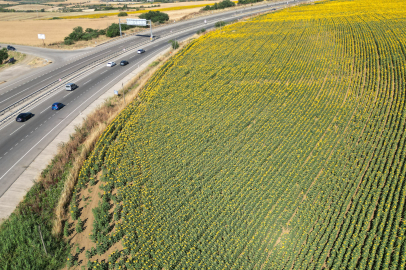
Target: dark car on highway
10,48
57,106
22,117
123,63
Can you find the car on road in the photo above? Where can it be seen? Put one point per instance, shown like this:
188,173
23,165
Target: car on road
123,63
70,86
111,64
57,106
22,117
141,51
10,48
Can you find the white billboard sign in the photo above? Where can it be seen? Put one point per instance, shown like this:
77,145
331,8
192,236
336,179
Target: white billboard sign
41,36
137,22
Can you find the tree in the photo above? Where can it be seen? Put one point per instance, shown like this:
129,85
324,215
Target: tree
113,30
3,55
155,16
76,34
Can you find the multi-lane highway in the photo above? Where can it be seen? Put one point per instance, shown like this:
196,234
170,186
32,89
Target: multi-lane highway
20,143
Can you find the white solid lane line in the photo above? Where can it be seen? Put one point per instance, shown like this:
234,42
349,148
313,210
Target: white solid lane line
16,129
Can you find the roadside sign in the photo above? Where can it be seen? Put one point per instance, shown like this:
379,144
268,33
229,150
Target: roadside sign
116,92
60,80
137,22
41,36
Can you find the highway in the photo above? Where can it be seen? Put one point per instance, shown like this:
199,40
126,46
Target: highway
20,143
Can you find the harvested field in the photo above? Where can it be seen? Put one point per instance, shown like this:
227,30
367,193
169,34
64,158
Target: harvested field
55,30
20,16
30,7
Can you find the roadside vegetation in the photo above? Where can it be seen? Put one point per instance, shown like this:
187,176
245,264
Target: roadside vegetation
244,2
78,34
221,5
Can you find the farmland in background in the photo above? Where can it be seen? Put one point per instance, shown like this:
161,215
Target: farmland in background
274,143
23,27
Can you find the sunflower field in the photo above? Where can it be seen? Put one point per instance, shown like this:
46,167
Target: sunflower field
272,143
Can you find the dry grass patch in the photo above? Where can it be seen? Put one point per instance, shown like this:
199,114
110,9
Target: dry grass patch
38,62
26,33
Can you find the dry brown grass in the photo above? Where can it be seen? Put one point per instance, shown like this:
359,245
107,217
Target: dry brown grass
38,62
26,32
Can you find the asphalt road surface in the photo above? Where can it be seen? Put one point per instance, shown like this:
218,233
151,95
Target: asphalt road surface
20,142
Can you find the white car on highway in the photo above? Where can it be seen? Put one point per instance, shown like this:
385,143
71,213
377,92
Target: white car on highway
111,64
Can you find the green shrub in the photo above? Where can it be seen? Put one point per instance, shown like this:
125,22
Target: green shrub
113,30
219,24
122,14
244,2
78,34
222,5
68,41
174,44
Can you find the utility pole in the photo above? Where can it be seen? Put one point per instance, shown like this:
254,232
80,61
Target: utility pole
150,28
119,25
122,87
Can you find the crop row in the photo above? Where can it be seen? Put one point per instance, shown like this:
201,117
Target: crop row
275,143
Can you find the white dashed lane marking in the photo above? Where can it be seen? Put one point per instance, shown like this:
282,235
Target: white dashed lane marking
16,130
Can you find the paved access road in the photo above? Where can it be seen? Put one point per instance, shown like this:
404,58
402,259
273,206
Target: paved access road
20,143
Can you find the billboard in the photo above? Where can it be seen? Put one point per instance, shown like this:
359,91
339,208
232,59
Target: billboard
137,22
41,36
